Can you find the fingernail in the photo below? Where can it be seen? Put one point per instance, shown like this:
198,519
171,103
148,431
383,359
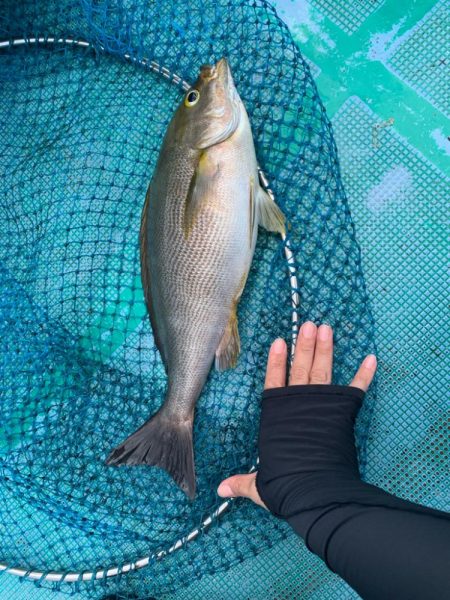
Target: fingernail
278,346
308,329
370,362
324,333
224,490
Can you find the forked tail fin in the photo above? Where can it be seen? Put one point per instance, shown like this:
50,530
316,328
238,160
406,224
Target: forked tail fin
162,443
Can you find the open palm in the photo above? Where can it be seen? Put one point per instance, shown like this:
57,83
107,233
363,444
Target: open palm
312,364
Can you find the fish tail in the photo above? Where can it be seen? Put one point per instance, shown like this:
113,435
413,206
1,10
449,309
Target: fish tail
164,443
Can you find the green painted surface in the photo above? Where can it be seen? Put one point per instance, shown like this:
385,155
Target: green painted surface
357,65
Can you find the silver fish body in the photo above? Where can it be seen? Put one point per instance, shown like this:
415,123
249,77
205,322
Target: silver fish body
198,234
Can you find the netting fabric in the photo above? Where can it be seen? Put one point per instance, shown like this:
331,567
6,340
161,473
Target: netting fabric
82,117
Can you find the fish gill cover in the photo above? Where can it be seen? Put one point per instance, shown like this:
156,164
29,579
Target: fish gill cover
81,126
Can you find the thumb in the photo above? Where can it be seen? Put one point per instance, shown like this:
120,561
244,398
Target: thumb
243,486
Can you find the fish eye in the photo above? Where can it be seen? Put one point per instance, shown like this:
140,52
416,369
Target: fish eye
192,98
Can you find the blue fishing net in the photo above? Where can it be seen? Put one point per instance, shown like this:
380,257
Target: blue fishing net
88,89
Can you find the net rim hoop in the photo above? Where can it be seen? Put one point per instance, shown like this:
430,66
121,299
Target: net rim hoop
74,577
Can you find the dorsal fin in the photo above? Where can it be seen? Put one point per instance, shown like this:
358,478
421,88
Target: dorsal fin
145,274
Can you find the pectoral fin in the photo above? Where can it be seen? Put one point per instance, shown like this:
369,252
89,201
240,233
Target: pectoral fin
201,186
269,215
228,351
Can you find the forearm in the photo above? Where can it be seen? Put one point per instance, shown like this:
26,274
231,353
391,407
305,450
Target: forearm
383,553
383,546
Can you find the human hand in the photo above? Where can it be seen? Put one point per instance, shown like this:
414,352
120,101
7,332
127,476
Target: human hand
312,364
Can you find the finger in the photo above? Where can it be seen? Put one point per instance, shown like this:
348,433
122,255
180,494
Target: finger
242,486
365,373
323,356
276,365
304,354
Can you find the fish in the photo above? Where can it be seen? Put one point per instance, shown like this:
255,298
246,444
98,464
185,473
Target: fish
198,232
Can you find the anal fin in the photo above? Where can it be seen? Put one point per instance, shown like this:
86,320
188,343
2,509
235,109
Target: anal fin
230,345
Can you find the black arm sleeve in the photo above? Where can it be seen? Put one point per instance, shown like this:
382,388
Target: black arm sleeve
386,548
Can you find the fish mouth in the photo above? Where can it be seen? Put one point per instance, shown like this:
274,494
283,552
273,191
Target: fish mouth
221,71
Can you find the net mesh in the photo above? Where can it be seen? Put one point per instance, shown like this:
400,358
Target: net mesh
81,126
